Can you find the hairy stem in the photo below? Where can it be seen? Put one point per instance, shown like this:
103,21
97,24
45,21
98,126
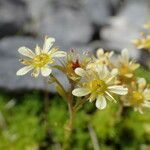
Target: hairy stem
120,110
71,115
70,105
93,137
46,104
57,81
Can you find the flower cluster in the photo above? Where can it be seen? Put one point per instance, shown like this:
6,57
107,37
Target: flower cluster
139,90
139,95
92,78
144,41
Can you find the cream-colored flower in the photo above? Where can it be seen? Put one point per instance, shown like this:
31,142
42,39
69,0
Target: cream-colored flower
75,59
102,58
41,60
147,25
98,85
125,66
140,96
143,43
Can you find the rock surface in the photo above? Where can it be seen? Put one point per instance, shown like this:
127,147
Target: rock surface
13,15
97,11
126,26
65,24
68,20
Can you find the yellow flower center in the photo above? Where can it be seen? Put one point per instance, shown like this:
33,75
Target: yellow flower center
124,70
98,86
137,98
146,43
41,60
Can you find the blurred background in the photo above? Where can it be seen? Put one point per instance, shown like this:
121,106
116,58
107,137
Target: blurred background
76,24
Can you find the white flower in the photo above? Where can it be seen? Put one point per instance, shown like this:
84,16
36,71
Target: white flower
41,60
126,67
102,58
140,96
142,43
98,85
75,59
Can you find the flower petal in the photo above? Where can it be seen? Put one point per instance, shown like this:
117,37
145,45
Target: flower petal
103,71
80,92
48,43
146,104
142,82
129,75
117,89
134,66
46,71
101,102
92,96
24,70
110,97
125,55
111,54
37,50
53,50
26,52
81,72
110,77
100,52
59,54
146,94
35,73
114,72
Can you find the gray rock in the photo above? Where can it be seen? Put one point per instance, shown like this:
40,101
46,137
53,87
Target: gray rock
115,3
9,64
66,26
13,15
97,11
10,45
72,4
68,21
59,21
126,26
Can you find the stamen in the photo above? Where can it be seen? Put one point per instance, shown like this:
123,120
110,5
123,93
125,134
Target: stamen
41,60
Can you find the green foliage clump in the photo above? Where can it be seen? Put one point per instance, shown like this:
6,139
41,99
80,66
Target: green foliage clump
20,125
141,72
